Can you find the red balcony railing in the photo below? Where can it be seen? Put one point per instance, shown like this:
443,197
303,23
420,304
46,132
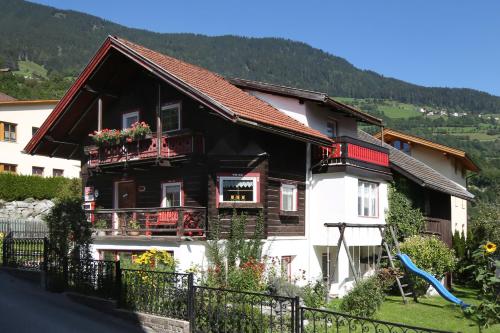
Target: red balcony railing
175,222
347,149
170,147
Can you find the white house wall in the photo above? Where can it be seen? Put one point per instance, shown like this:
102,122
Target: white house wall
26,116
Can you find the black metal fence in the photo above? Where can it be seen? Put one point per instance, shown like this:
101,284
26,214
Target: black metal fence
25,253
325,321
227,311
209,310
160,293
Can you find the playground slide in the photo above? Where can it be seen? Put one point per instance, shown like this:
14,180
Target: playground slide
431,279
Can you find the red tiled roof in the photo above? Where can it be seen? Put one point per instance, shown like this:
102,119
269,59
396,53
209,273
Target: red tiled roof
6,98
215,87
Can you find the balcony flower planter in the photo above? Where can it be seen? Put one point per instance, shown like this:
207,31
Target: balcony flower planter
114,137
133,228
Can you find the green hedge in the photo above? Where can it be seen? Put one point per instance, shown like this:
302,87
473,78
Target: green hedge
20,187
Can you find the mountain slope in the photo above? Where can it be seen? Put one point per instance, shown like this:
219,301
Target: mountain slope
63,41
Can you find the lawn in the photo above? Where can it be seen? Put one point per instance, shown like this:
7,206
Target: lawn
432,312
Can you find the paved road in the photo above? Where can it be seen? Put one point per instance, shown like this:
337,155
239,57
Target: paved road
26,308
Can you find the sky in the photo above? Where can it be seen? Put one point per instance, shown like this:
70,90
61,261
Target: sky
445,43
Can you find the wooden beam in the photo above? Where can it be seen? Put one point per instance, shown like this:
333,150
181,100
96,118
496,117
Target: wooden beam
99,114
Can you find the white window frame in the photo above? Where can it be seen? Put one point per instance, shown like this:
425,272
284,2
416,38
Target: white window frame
223,178
372,195
167,106
293,187
128,115
164,193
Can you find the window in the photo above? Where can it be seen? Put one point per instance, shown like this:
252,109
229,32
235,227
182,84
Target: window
170,117
57,172
38,171
171,195
129,119
238,189
367,199
34,130
8,132
288,197
331,129
403,146
4,167
286,267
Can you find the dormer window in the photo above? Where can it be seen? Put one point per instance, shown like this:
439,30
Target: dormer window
170,117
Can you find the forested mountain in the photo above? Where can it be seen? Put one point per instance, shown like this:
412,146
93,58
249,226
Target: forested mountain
63,41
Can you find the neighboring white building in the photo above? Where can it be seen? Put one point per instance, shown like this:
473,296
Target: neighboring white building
19,120
450,162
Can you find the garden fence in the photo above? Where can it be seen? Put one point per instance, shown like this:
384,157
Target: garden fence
209,310
24,228
326,321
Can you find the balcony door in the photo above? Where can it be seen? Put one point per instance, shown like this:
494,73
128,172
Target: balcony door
125,194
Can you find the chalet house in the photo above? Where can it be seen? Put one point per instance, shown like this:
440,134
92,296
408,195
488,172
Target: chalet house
450,163
293,156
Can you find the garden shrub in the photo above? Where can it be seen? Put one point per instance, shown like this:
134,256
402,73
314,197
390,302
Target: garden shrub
365,298
408,221
430,254
314,294
240,256
20,187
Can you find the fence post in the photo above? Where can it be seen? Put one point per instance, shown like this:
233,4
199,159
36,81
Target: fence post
65,272
190,299
296,310
118,282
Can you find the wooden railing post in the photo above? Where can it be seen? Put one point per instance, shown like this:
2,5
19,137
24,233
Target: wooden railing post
180,223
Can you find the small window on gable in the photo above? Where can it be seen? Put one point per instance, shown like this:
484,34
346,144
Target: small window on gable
129,119
171,194
331,128
170,117
288,197
238,189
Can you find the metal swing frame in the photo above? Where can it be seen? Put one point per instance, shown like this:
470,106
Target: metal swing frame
383,246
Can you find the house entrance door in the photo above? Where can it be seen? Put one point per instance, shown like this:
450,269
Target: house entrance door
125,197
125,194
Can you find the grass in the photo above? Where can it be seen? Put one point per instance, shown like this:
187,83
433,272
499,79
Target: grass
433,312
31,69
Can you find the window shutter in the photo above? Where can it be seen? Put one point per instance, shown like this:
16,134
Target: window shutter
1,166
1,133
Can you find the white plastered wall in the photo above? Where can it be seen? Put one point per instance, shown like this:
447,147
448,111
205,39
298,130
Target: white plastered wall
27,116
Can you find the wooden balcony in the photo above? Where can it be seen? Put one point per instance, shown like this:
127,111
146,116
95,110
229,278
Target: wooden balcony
168,146
351,151
150,223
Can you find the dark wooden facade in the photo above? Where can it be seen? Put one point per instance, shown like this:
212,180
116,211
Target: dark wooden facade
228,149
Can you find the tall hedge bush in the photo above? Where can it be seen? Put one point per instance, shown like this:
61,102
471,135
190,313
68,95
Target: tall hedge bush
20,187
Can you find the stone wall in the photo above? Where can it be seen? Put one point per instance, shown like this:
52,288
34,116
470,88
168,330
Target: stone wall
29,209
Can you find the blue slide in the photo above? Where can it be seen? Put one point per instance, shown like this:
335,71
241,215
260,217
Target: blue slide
431,279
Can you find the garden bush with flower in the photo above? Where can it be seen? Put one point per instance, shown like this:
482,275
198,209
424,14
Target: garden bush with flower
485,261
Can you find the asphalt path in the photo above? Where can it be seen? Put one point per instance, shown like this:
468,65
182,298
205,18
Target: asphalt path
27,308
